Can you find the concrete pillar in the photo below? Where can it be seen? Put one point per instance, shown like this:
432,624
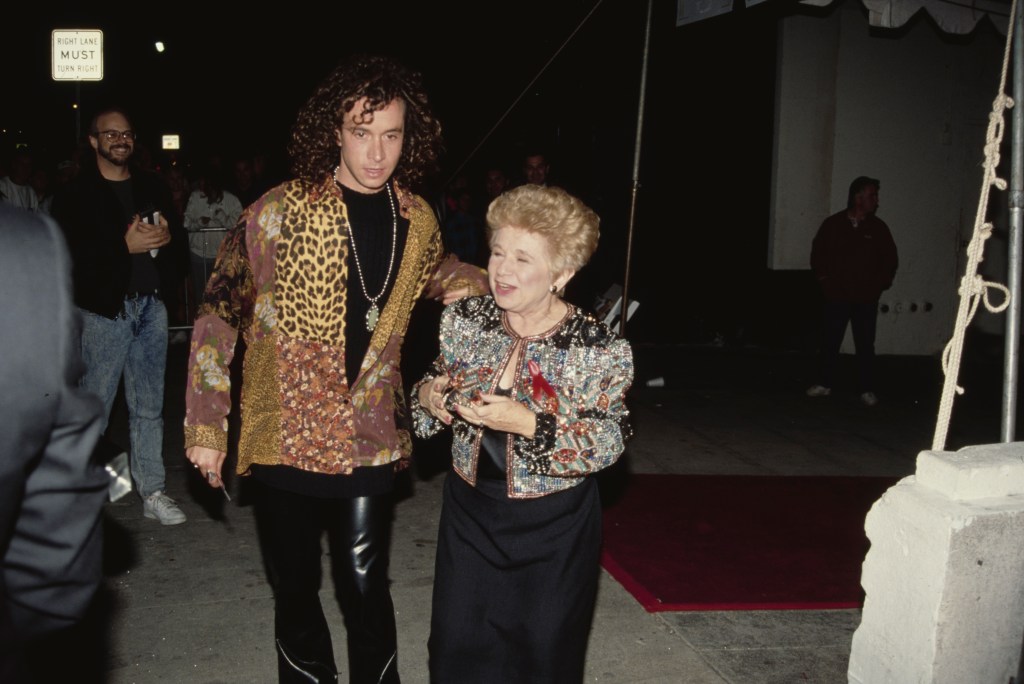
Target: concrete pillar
944,577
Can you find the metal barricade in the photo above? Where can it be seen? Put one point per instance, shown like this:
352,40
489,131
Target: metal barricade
203,244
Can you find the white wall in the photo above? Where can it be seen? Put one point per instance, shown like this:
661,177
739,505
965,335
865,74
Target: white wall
805,110
910,110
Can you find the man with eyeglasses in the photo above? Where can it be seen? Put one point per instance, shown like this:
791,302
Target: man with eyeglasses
127,250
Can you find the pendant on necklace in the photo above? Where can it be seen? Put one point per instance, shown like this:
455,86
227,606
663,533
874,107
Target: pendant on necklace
372,316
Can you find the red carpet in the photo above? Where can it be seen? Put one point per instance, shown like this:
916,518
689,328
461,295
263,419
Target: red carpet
711,542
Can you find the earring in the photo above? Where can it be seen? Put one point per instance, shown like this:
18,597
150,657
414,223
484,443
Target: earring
553,289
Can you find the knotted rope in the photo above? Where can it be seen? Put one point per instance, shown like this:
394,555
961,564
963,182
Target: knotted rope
974,290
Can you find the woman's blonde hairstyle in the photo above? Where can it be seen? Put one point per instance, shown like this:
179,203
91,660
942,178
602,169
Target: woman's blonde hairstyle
569,226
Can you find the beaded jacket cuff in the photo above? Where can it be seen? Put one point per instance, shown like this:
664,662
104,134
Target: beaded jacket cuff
423,424
537,451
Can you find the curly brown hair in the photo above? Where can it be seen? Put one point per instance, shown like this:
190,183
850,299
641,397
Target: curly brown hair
314,146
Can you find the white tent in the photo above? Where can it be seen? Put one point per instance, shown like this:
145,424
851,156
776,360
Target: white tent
951,17
813,191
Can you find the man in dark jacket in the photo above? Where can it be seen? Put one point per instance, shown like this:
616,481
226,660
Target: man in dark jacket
854,259
128,252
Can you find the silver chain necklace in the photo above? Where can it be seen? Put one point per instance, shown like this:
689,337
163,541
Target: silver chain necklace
373,315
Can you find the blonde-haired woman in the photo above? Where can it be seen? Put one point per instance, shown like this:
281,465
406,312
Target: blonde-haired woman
533,390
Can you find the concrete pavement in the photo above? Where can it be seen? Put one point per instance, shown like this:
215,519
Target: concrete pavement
190,603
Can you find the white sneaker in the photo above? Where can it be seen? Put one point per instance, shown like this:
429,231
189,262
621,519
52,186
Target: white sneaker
818,391
159,506
869,399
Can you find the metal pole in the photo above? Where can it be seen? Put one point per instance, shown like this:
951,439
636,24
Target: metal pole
1012,349
624,313
1011,352
78,113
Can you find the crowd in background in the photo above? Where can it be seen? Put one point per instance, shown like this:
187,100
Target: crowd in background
208,197
210,191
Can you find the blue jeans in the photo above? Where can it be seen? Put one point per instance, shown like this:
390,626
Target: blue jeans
135,344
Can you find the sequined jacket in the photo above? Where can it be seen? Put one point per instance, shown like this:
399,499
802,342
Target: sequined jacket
577,395
280,279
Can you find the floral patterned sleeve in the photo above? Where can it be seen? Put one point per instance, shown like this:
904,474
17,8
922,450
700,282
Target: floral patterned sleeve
448,273
227,308
591,435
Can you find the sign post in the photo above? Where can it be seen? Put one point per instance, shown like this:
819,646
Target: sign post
77,56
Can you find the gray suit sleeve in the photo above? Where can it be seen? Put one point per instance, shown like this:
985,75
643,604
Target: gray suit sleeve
51,490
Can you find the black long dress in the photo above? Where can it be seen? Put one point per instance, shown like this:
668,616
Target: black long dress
515,579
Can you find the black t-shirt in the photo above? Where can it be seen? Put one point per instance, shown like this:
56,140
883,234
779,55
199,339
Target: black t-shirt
145,278
371,226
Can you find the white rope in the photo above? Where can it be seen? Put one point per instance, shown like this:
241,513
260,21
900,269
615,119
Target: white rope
974,290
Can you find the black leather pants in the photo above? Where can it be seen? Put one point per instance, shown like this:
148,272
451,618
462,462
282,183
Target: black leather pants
358,532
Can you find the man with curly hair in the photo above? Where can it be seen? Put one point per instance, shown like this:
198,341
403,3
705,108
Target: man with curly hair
320,276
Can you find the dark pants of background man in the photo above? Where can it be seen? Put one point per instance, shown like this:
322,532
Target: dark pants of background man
863,319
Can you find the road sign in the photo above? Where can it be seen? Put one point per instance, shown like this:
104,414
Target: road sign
77,55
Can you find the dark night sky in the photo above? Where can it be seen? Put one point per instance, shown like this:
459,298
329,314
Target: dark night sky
229,80
235,82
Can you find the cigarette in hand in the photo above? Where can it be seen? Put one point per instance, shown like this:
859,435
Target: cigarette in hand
212,476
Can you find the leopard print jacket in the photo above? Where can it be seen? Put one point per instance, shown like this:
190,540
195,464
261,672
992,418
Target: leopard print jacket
279,281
